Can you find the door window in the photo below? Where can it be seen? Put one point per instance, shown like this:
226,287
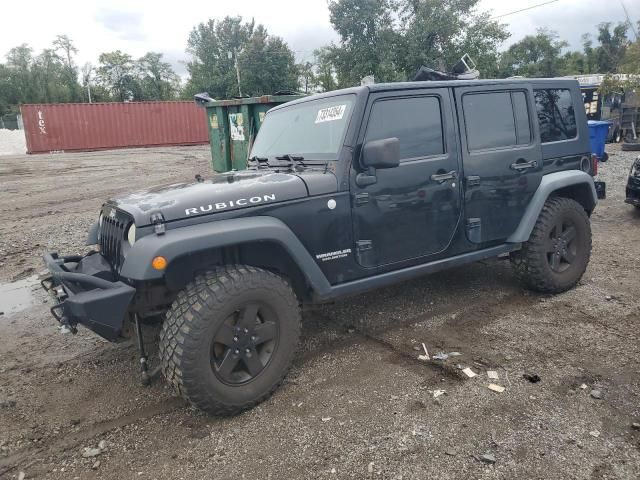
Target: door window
556,114
416,122
496,120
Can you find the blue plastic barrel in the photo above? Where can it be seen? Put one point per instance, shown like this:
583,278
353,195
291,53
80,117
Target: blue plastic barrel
598,132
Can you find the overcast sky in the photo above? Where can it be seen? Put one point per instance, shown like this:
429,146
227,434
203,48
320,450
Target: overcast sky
138,26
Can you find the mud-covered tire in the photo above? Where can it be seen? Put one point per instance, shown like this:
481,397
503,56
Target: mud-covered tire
537,264
201,314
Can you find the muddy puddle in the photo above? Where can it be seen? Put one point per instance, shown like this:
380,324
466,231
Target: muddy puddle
17,296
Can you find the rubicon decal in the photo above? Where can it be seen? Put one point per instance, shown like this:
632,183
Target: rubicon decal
240,202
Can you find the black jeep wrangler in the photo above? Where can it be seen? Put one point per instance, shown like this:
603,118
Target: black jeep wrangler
344,192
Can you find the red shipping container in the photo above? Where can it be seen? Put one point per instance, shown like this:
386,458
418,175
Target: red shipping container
97,126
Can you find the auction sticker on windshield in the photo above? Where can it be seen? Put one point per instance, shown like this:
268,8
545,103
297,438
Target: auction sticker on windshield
330,114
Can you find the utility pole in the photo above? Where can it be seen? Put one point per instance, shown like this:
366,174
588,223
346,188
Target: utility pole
234,54
86,76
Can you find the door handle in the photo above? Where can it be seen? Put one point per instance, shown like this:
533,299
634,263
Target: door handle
443,177
522,165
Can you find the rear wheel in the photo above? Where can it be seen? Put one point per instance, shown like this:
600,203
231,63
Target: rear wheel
557,253
229,338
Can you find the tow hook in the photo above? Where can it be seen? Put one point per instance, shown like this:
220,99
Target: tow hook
66,327
147,376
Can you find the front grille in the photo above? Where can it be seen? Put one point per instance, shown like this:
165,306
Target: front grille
111,237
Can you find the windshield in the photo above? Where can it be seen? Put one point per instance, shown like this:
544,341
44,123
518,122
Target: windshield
313,130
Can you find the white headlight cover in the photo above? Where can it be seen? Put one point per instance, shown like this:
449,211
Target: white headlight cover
131,234
100,219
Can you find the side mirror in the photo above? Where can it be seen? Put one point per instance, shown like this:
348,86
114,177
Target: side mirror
384,153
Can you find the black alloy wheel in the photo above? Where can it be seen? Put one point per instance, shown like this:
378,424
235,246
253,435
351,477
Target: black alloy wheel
561,247
244,344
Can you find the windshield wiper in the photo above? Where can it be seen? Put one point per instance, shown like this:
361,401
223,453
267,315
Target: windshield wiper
260,160
291,158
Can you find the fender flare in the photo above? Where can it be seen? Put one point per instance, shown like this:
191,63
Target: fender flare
221,233
549,184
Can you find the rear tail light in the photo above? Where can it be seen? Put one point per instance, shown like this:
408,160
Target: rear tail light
594,165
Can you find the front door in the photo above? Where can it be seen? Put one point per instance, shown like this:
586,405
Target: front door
502,159
411,211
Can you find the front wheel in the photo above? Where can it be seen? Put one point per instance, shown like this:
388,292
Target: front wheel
229,338
557,253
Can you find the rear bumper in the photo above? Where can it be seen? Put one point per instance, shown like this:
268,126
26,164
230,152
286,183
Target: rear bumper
87,293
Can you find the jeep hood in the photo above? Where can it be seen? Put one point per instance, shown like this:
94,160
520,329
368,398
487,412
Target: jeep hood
222,193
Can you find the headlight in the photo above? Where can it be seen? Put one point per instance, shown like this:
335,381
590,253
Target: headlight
100,220
635,168
131,234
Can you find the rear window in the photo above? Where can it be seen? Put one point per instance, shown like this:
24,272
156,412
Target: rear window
416,122
556,114
496,119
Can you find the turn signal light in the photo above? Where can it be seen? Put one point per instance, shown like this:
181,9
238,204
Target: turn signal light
159,263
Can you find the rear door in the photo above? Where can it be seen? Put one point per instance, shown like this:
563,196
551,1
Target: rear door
502,159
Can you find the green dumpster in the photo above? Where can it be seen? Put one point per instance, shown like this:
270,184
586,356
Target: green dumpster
233,125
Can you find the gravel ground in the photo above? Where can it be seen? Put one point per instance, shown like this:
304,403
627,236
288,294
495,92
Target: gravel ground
358,403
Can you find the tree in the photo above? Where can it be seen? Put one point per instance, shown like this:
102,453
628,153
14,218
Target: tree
630,66
537,55
265,62
325,72
22,88
613,44
156,78
438,33
391,39
214,47
367,40
631,61
589,54
6,90
307,77
116,74
573,63
47,73
267,65
65,49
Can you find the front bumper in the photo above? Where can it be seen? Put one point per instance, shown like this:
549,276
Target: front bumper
633,191
86,292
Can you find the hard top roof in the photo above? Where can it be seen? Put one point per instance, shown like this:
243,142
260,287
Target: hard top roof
395,86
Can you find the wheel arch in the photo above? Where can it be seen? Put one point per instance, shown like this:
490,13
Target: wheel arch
261,241
266,254
574,184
